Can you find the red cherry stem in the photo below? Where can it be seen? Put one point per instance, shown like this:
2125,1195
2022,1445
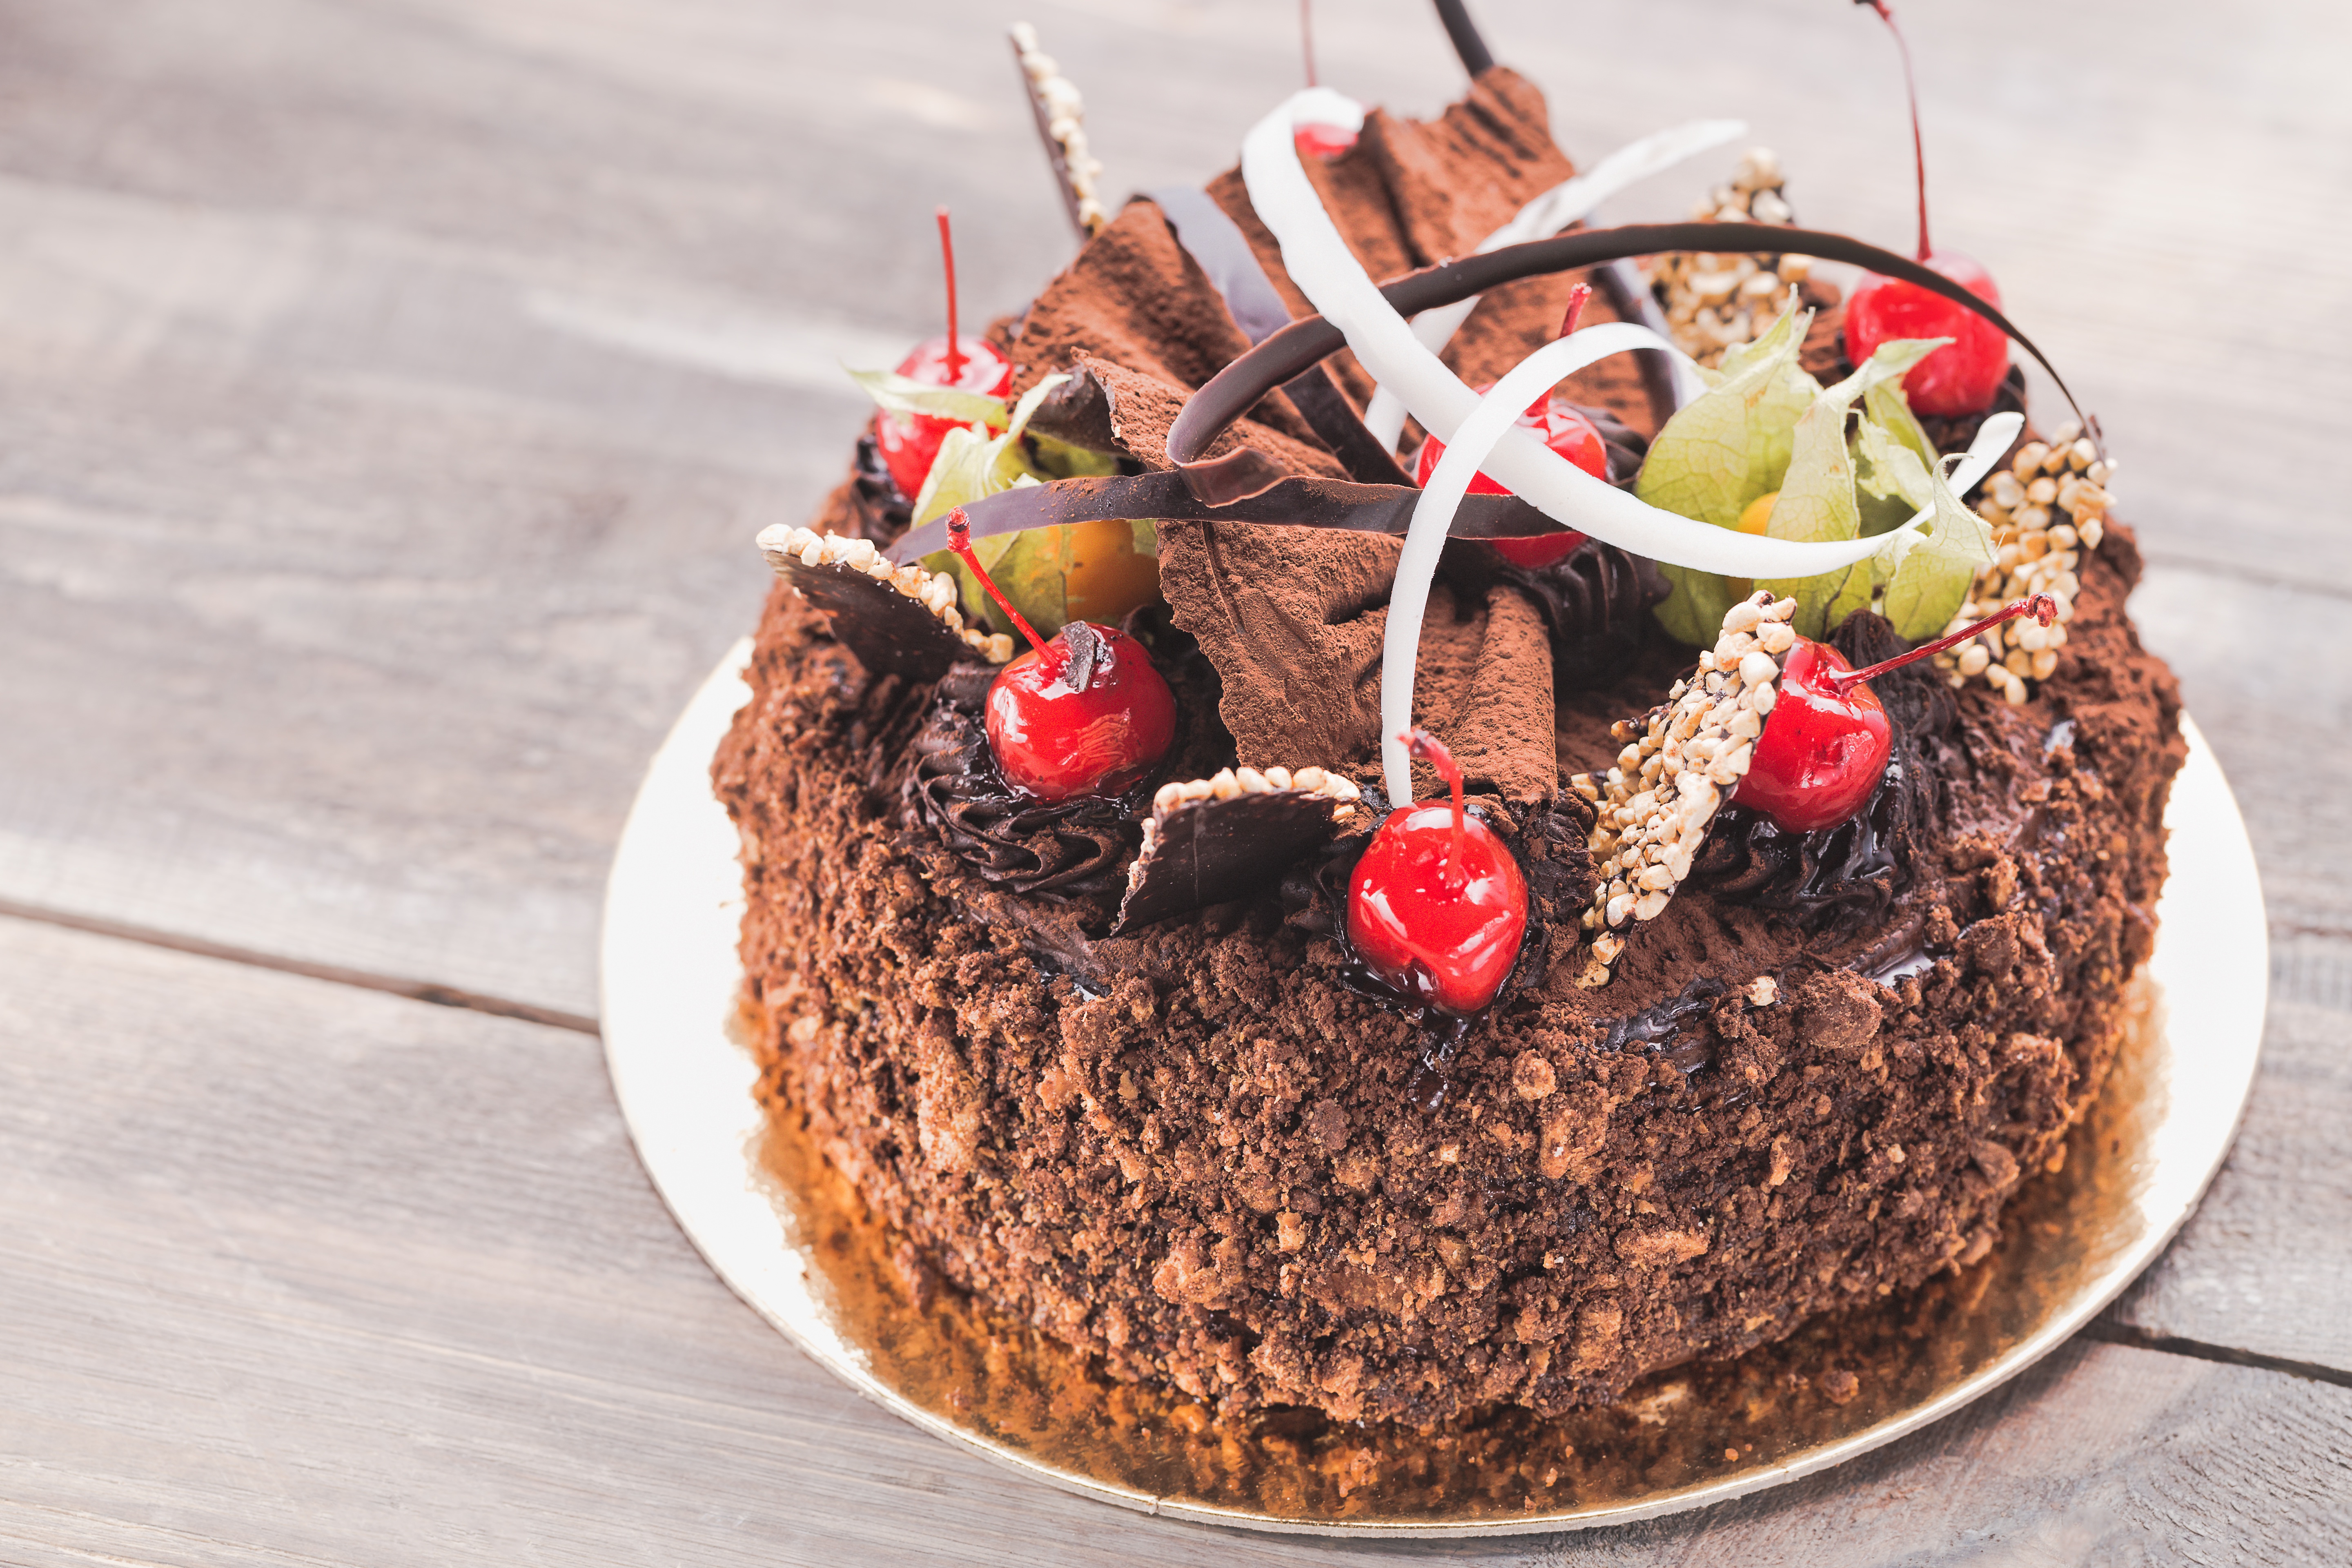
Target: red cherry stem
1432,749
960,541
2041,607
1576,299
955,343
1918,146
1306,36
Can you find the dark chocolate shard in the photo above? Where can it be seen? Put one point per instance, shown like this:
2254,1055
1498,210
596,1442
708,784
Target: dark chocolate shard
1078,412
1087,651
1212,851
890,633
1224,255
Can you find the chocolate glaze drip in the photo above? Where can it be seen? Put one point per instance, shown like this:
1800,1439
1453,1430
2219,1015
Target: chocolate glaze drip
1658,1029
1844,878
883,510
1315,901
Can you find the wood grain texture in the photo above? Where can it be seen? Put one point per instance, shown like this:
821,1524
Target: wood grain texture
393,391
297,1274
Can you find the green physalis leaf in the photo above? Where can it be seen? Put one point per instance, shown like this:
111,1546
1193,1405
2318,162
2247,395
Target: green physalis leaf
1036,568
1729,445
1931,580
1817,494
900,395
1720,451
973,463
1890,475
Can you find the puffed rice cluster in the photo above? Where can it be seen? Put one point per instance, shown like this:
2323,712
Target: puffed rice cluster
1715,301
1066,114
1652,811
2045,510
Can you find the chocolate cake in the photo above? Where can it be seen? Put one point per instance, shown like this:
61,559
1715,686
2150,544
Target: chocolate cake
1124,1062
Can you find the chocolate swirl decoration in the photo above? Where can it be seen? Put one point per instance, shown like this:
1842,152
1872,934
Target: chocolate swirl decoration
1844,878
1009,838
1476,59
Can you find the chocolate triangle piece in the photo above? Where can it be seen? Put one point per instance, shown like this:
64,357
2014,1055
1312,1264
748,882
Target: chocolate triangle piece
898,620
1214,840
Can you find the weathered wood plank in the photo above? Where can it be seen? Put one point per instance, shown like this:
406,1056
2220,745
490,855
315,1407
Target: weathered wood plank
295,1273
392,390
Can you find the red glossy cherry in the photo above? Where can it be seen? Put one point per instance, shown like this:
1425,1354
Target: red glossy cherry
1437,906
1962,376
1563,429
1323,141
1825,747
1317,141
911,443
1083,713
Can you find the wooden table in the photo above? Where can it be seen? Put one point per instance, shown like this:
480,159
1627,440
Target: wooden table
390,392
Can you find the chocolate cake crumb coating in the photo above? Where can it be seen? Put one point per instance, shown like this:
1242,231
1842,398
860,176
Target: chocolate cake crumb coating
1189,1150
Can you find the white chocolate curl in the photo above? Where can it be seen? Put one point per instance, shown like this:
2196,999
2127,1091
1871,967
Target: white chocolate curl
1432,518
1568,202
1320,263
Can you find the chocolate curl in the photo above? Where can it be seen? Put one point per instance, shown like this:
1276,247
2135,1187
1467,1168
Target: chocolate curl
1174,497
1237,388
1476,59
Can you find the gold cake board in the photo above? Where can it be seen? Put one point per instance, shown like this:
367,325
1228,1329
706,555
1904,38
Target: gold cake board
787,1234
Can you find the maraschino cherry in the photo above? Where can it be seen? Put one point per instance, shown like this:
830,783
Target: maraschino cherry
910,442
1563,429
1316,139
1437,906
1962,376
1083,713
1825,746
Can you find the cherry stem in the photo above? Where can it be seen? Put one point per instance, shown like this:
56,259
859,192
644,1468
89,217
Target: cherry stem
2041,607
960,541
1918,146
1432,749
1576,299
947,258
1306,36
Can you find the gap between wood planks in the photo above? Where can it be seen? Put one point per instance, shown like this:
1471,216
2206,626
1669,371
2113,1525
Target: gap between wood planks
334,974
2108,1332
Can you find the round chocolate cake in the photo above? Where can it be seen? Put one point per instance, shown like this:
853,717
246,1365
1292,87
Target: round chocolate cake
1725,988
